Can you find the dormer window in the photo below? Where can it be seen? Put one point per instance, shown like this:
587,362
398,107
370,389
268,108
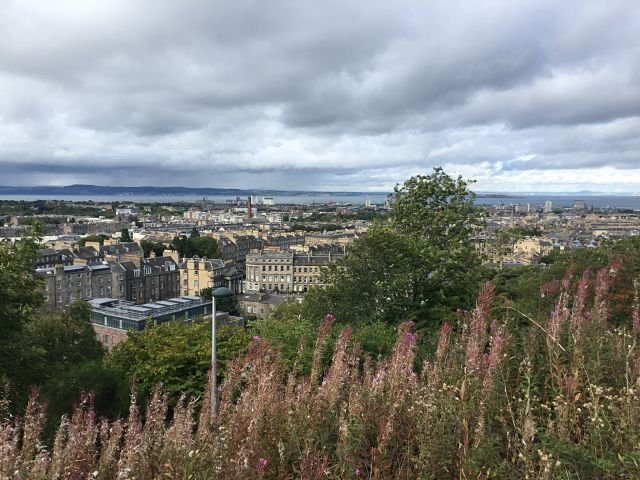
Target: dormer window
147,270
136,273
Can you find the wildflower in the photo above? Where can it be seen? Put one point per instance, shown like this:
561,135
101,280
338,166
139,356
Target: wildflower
410,337
262,465
357,472
257,338
329,317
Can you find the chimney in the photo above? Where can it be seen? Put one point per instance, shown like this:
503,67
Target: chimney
249,209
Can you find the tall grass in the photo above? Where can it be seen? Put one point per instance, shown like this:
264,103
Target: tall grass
558,398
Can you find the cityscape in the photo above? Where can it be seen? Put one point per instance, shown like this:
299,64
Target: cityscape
267,253
319,240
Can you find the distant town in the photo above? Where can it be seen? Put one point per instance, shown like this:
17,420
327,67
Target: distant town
126,258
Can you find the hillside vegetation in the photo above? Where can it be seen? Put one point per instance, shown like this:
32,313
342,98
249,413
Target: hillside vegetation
393,371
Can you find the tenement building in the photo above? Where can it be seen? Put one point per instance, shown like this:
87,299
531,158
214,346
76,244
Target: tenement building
148,280
285,271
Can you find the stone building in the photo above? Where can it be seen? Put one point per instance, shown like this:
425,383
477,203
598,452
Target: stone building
285,271
198,273
149,280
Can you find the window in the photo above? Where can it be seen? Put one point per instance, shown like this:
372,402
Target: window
147,270
136,273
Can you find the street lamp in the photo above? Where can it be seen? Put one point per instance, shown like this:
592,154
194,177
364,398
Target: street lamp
221,292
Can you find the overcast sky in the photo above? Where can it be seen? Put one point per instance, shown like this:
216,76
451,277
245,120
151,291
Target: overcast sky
324,95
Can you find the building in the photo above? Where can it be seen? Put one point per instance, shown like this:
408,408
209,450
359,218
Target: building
285,271
149,280
112,319
49,257
122,251
260,305
199,273
269,272
579,205
548,206
64,284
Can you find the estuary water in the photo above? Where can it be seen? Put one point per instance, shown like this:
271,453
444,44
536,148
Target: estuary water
535,199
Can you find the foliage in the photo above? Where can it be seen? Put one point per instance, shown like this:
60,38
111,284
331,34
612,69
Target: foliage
419,266
93,238
176,354
196,245
148,246
224,304
125,237
555,397
293,330
20,296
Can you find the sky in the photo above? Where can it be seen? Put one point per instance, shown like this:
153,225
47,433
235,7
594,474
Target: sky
535,96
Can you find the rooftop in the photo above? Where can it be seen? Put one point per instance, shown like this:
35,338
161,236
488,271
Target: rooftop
131,311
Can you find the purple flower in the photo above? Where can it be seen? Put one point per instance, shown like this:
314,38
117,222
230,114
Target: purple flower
262,465
329,317
257,338
357,472
410,337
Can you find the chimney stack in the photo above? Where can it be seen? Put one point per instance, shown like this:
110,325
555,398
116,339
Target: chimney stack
249,209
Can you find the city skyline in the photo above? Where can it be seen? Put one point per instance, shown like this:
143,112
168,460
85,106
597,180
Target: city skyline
536,97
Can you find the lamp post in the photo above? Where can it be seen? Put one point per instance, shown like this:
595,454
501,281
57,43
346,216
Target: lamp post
221,292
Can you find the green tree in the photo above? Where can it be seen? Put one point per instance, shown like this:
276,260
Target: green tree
149,246
125,237
225,304
419,265
176,354
196,246
93,238
20,296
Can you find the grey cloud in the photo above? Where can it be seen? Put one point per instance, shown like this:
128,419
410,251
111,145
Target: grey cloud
316,93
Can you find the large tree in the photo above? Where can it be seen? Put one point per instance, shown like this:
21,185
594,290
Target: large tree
419,265
195,245
20,296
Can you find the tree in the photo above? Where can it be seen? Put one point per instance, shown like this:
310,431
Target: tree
176,354
224,304
149,246
20,296
196,246
419,265
93,238
125,237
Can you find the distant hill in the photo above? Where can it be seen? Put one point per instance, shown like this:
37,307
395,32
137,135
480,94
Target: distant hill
148,190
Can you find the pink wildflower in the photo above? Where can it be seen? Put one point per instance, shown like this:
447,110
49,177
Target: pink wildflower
410,338
357,472
257,338
262,465
329,317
